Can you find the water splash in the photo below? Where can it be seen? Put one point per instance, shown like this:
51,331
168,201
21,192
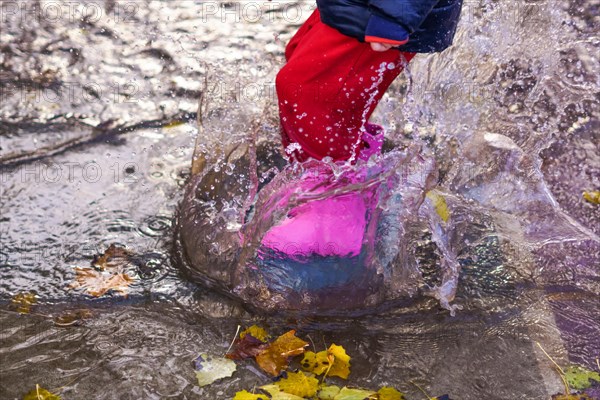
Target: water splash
470,123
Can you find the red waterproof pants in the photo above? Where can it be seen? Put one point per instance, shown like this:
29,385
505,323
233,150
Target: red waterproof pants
329,88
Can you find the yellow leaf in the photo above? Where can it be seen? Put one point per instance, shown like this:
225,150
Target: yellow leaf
341,362
309,362
274,358
332,362
299,384
257,332
40,393
244,395
592,197
23,302
355,394
440,205
173,124
328,392
317,363
210,369
389,393
277,394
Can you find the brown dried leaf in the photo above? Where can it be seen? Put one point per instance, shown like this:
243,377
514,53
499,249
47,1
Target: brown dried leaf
108,274
246,347
73,317
98,283
113,257
274,358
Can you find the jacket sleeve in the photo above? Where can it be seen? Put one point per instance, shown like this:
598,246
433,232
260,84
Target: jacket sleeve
392,21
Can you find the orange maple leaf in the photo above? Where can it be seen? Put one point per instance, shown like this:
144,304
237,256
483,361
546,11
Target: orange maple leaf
275,358
98,283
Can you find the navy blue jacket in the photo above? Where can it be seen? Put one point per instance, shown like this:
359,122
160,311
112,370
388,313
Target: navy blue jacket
416,26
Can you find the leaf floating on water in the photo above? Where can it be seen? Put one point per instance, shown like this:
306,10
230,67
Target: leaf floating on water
440,205
114,257
97,283
73,317
108,273
40,393
333,362
328,392
246,347
299,384
355,394
277,394
22,302
244,395
389,393
592,197
275,357
256,331
210,369
580,378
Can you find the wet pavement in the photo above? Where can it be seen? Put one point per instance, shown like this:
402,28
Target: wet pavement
97,131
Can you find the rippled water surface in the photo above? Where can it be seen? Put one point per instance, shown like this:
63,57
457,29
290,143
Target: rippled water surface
98,130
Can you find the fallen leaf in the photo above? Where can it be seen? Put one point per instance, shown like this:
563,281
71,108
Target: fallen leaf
316,363
73,317
210,369
107,273
355,394
592,196
113,257
333,362
23,301
246,347
277,394
442,397
299,384
341,362
440,205
256,331
328,392
97,283
40,393
174,123
571,397
580,378
275,357
244,395
389,393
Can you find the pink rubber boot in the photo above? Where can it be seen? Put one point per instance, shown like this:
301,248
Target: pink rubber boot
334,226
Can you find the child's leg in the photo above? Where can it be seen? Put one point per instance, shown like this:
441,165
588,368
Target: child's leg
313,20
328,89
